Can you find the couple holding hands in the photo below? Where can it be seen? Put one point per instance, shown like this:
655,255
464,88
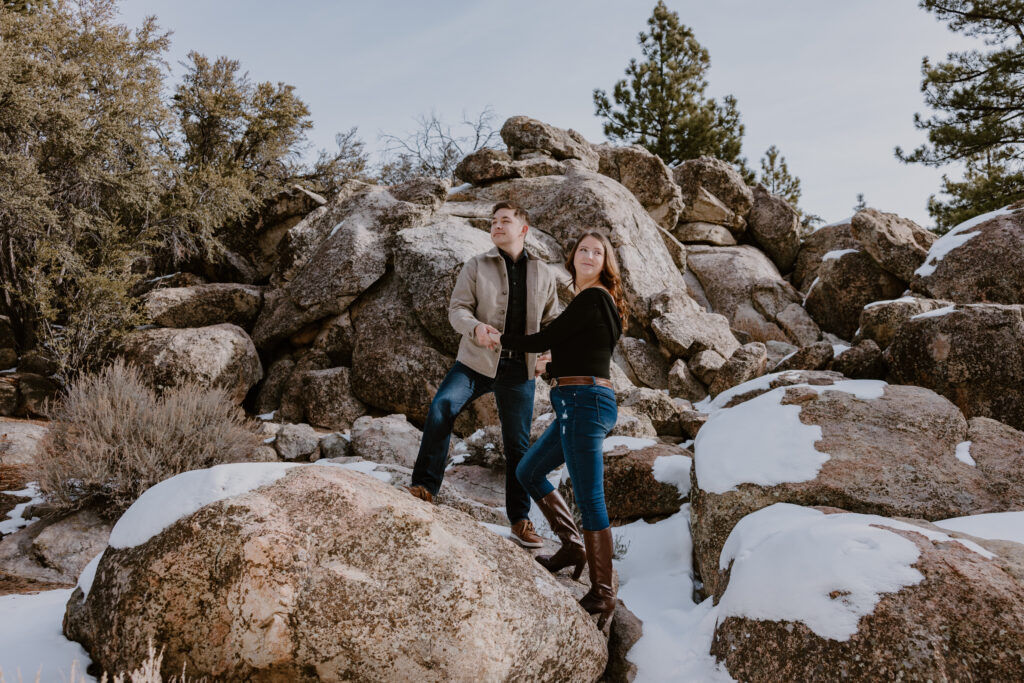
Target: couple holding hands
501,301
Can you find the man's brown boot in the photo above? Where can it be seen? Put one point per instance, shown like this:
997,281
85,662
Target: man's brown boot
421,493
561,522
524,534
600,599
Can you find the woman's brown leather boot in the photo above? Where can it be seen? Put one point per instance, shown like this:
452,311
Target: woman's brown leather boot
561,522
600,599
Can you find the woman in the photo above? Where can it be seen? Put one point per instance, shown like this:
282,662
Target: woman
581,341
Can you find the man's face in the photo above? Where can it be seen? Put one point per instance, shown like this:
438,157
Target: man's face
508,231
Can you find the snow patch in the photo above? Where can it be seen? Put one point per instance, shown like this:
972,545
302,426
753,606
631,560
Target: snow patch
656,584
999,526
762,441
837,254
935,313
792,563
15,520
32,643
901,300
267,416
963,453
953,239
459,188
88,575
172,499
674,470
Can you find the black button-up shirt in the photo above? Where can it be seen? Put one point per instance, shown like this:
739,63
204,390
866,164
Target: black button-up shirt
515,314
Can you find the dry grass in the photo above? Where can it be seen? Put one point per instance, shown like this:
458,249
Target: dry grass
112,437
148,672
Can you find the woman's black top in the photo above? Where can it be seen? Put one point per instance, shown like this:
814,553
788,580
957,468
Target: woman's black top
581,339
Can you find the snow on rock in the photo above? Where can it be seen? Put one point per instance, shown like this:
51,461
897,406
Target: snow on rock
675,470
170,500
88,575
935,313
963,453
762,441
953,239
1001,526
15,520
837,253
789,562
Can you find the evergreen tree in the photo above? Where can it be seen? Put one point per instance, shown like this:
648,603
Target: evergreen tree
99,174
661,104
979,97
776,177
861,204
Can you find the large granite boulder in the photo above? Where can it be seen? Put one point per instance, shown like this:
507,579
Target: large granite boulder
320,573
820,594
396,365
746,363
686,333
972,354
327,398
847,281
880,320
864,445
353,255
713,192
213,356
642,478
980,260
775,226
389,439
427,261
202,305
645,361
56,549
827,238
20,441
523,134
562,206
742,284
647,177
898,245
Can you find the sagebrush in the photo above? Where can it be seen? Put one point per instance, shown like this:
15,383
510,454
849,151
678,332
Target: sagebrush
112,437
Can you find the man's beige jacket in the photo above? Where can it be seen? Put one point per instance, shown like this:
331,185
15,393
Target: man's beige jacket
481,296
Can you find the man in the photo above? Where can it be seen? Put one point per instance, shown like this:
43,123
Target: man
504,289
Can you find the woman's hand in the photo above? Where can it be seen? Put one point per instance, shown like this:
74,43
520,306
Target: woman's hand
542,363
494,337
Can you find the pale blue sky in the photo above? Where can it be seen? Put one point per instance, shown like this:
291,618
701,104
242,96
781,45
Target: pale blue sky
834,84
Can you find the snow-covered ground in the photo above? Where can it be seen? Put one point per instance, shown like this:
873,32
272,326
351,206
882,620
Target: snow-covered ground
31,641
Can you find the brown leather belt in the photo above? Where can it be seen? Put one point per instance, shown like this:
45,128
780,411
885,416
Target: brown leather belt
582,379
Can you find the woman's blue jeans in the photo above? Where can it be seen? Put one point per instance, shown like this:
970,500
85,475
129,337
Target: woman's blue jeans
584,414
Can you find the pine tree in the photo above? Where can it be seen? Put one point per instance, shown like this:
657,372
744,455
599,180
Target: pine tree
861,204
661,104
979,95
776,177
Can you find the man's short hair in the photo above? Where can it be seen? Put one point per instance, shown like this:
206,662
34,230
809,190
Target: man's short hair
517,211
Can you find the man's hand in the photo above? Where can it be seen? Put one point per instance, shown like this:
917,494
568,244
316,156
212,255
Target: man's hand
542,363
484,334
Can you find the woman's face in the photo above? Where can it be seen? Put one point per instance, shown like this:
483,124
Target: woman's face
589,259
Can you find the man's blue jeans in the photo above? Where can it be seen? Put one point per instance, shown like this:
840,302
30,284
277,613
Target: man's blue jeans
513,393
584,414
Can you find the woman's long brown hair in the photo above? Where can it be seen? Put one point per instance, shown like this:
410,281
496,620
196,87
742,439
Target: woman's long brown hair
610,274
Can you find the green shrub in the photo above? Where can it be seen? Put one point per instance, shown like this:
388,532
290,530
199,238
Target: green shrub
112,437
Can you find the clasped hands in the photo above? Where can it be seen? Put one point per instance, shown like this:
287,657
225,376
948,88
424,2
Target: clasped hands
489,336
